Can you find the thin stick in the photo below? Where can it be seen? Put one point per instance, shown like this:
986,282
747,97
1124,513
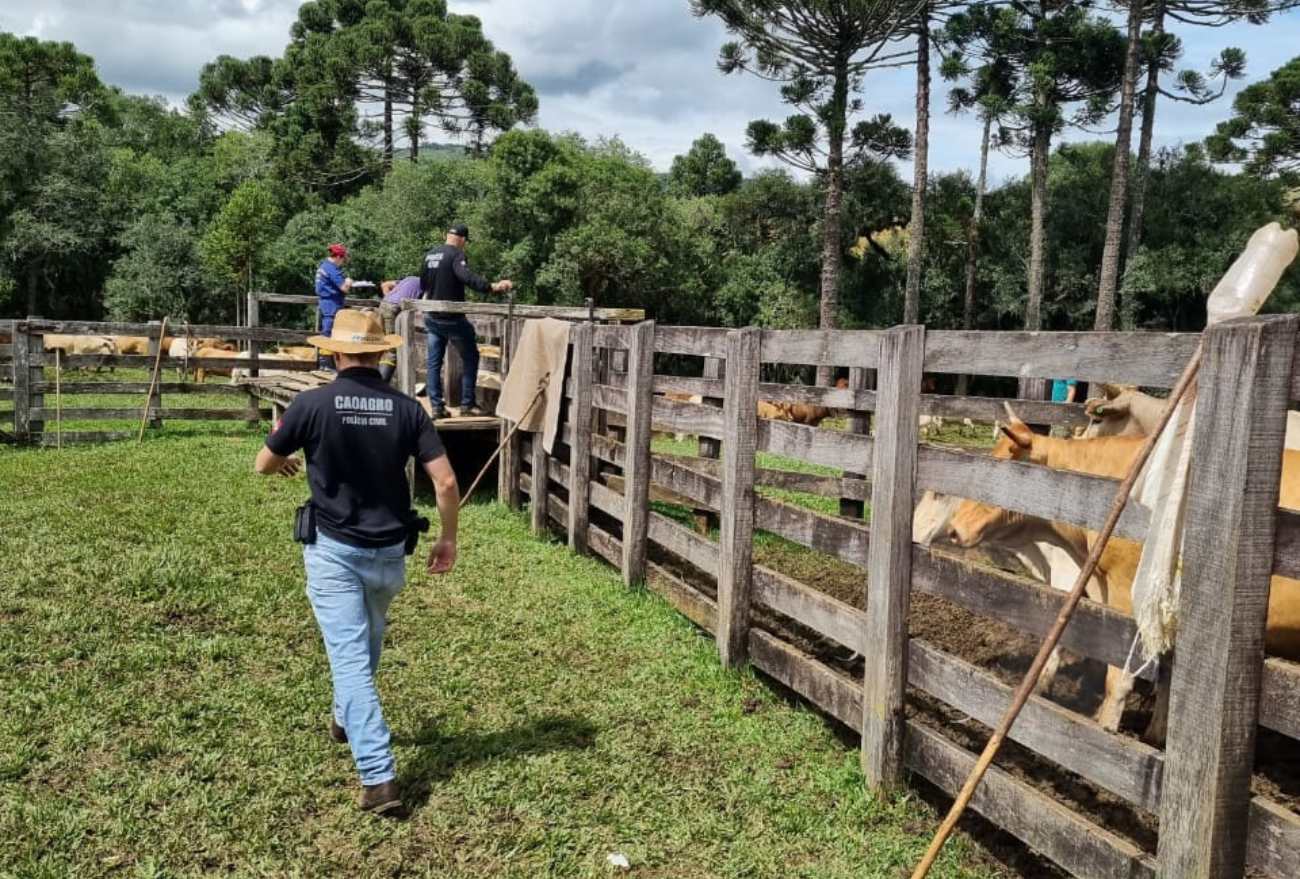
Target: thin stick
153,381
1067,610
541,389
58,398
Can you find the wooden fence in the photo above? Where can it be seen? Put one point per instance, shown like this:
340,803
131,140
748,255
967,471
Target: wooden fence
1198,787
1224,689
32,383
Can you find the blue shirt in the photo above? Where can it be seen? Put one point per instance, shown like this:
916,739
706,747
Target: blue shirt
1061,388
329,287
407,288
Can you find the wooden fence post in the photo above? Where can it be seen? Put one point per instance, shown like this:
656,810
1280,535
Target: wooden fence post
28,347
508,465
154,402
254,313
583,337
1228,557
254,319
636,470
541,483
889,557
708,446
405,372
736,535
858,423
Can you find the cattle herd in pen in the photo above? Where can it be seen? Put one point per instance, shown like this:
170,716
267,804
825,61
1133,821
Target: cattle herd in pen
1053,552
193,351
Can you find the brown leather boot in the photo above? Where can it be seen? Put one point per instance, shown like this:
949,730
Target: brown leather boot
338,735
380,799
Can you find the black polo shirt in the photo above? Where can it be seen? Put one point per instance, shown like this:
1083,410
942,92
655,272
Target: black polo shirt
358,433
445,274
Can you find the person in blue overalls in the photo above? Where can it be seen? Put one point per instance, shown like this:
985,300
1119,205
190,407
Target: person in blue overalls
332,288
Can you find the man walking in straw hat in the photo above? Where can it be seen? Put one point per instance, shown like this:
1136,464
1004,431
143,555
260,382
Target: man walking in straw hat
358,527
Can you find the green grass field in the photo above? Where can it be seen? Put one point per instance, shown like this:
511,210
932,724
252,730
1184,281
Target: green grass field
163,700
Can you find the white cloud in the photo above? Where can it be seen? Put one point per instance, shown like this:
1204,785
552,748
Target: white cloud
641,70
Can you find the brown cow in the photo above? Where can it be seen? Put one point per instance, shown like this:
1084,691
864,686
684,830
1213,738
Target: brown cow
1112,456
130,344
807,413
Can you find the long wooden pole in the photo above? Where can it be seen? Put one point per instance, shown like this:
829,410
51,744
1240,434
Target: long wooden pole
153,380
58,398
1058,628
541,389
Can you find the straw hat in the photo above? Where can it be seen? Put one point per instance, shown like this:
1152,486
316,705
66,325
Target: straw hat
356,332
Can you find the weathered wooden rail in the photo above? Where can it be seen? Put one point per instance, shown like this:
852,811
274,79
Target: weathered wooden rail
32,382
1198,786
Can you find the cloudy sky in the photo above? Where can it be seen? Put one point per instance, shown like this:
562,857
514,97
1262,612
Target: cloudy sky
641,70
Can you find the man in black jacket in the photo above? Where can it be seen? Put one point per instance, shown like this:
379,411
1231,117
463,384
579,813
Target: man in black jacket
443,277
358,434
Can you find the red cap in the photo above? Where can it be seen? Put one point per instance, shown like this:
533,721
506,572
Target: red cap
338,250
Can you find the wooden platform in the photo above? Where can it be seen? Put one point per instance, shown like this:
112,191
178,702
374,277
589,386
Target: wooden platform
280,391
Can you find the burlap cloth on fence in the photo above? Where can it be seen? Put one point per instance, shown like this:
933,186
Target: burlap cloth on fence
543,349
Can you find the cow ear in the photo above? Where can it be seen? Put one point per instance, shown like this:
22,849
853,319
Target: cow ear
1020,434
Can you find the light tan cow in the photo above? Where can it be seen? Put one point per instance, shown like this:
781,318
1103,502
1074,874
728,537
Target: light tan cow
207,353
298,352
1112,456
1123,409
265,360
697,399
73,344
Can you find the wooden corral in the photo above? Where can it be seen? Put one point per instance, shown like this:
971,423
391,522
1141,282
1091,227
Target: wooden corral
1198,787
34,380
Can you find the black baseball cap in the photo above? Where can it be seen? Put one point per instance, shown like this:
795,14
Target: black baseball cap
459,229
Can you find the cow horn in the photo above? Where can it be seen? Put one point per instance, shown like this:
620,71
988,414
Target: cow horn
1011,413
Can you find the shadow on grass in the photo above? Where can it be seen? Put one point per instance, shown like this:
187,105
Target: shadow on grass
439,756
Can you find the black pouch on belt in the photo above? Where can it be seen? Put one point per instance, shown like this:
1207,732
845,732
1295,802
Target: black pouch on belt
304,523
415,526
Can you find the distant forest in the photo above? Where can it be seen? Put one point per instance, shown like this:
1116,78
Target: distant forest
118,206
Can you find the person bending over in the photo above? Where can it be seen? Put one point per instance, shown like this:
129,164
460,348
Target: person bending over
395,293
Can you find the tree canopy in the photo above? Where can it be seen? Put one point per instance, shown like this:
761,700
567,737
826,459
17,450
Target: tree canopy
1263,133
118,206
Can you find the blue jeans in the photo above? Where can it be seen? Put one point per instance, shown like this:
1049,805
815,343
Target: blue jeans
328,308
350,588
460,333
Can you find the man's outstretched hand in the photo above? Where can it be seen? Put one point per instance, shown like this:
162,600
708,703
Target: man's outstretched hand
442,557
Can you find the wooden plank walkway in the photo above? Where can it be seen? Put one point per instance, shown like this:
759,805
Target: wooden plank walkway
280,391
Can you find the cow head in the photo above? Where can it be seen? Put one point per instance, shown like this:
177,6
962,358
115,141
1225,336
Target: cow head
1017,442
975,521
1113,402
